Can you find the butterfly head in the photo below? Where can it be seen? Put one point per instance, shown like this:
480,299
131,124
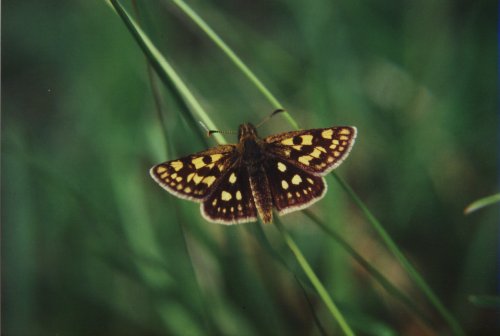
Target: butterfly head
246,131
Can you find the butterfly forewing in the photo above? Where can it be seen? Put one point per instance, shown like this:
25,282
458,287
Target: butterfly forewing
292,188
317,151
195,176
232,201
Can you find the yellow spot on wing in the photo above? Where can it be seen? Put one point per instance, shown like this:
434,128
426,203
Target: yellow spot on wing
281,167
345,131
232,178
209,180
305,159
322,149
160,169
284,184
197,178
327,134
296,179
177,165
198,162
307,139
225,196
316,153
215,157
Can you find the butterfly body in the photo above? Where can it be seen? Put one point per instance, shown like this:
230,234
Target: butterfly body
236,183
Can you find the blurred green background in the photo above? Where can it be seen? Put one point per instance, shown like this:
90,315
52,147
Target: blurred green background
92,246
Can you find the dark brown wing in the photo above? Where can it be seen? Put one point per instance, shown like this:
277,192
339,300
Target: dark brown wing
232,201
194,177
317,151
292,188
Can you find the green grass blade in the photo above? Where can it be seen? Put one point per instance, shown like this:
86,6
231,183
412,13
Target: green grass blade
481,203
379,277
337,315
233,57
165,71
485,301
391,245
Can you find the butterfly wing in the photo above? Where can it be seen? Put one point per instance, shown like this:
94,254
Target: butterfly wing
232,201
292,188
194,177
317,151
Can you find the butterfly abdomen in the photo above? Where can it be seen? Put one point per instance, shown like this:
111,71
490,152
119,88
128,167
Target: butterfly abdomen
261,192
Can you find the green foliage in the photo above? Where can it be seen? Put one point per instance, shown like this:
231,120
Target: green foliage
91,245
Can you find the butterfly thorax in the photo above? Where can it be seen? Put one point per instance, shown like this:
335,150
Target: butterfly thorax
250,145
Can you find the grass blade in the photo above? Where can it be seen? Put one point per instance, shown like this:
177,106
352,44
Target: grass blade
379,277
314,280
233,57
391,246
165,71
485,301
481,203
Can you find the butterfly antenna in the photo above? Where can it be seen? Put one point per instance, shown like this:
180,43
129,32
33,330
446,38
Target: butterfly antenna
275,112
210,132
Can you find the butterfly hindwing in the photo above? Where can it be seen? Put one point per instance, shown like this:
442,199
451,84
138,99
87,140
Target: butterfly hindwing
317,151
292,188
195,176
232,201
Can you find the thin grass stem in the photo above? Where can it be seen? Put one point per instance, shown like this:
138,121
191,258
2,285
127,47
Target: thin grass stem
379,277
391,246
322,292
165,70
233,57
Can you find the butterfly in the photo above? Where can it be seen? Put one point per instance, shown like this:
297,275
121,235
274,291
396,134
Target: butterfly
238,182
